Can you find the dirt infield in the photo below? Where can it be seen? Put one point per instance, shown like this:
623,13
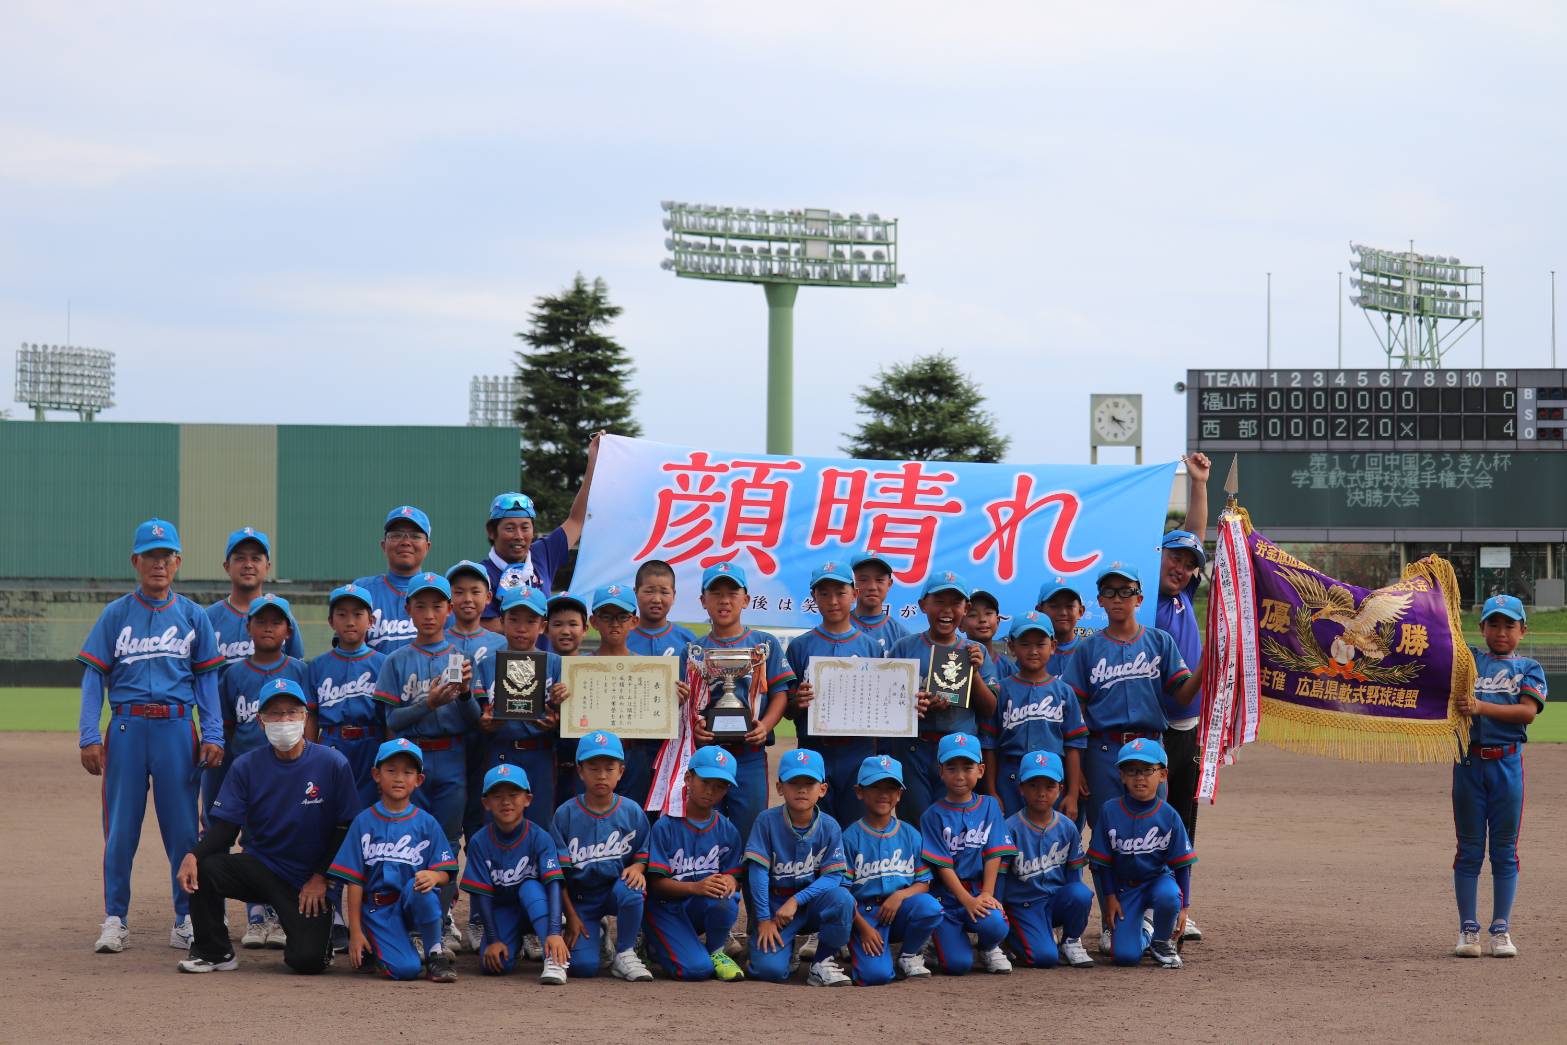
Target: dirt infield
1324,890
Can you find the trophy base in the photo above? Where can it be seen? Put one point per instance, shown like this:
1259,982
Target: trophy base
729,726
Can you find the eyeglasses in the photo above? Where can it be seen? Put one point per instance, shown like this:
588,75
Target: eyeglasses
405,537
613,620
1120,593
288,715
1140,771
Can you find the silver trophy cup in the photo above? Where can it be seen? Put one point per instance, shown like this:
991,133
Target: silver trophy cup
728,717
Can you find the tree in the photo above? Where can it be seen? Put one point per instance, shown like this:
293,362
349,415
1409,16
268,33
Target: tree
574,379
927,410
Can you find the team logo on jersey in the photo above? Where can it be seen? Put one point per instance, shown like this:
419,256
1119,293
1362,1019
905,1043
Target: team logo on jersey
1057,855
699,864
170,643
893,865
617,846
1151,841
329,694
1501,682
401,851
312,794
520,871
1140,667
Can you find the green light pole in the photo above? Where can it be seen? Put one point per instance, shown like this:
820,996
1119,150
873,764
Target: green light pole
782,251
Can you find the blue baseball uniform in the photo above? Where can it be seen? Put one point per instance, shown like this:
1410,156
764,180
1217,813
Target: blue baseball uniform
514,878
749,795
342,696
234,642
671,640
442,733
1030,716
1488,785
921,774
1042,887
1141,855
1121,687
883,628
156,661
1058,661
842,755
683,933
805,865
880,863
545,556
595,847
961,838
477,646
530,745
381,855
390,626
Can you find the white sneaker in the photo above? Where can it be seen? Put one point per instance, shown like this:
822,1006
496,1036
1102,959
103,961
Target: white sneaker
1468,944
255,936
111,936
277,937
1502,945
1191,933
475,937
1075,954
627,965
1106,943
202,965
1164,952
911,965
182,934
554,973
532,949
607,930
807,947
995,960
451,939
826,973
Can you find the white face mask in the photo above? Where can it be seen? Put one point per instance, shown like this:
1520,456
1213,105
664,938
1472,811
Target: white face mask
284,735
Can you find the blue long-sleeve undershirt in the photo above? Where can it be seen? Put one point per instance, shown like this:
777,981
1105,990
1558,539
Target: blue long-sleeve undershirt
759,879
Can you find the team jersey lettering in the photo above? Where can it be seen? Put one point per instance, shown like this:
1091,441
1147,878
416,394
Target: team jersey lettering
1151,841
398,852
237,650
967,838
1501,682
129,649
616,847
802,868
502,876
330,694
1058,855
382,628
1141,667
246,710
893,865
698,864
1044,710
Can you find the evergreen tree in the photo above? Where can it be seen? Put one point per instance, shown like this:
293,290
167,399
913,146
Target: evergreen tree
574,379
927,410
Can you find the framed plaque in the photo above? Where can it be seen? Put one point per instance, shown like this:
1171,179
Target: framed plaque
951,675
519,685
633,697
859,697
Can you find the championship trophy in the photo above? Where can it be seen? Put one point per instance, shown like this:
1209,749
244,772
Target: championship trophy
727,717
519,686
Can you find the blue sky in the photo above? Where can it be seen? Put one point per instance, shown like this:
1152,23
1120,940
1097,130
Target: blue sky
335,212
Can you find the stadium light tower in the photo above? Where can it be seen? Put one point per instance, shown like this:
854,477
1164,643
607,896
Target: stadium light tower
492,400
54,377
782,251
1427,302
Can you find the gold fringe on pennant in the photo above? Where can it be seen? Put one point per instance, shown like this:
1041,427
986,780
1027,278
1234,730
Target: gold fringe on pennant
1357,738
1440,572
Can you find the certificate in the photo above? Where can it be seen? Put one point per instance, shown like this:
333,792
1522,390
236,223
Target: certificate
633,697
863,697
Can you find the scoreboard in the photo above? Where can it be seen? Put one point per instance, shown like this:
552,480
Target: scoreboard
1357,410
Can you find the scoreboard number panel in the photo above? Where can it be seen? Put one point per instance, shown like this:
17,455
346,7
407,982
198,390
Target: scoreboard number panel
1245,410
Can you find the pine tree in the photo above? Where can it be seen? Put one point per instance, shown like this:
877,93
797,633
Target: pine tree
927,410
574,379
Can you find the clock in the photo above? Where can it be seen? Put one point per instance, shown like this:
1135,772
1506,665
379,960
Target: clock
1116,420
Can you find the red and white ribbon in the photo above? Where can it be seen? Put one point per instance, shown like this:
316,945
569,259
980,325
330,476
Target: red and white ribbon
1232,704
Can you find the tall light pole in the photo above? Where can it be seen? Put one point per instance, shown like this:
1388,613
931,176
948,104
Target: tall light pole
56,377
1427,302
782,251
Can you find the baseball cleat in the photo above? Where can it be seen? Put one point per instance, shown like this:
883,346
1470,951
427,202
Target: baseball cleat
277,938
229,964
1468,944
1163,952
1106,943
181,935
628,966
736,945
807,947
1075,954
911,965
826,973
725,969
532,949
111,936
438,967
1502,945
554,973
474,938
255,936
995,960
1191,934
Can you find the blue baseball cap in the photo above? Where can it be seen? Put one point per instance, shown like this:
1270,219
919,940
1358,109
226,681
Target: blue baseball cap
525,596
1188,541
428,582
600,745
802,762
506,773
400,746
868,558
1033,620
349,591
1118,569
723,571
945,580
468,566
243,534
614,595
1142,750
565,598
1041,763
880,767
155,534
1053,587
713,763
832,571
1506,605
958,745
281,688
512,506
407,513
978,593
276,602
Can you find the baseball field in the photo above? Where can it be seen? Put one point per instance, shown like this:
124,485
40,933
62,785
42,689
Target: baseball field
1324,891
